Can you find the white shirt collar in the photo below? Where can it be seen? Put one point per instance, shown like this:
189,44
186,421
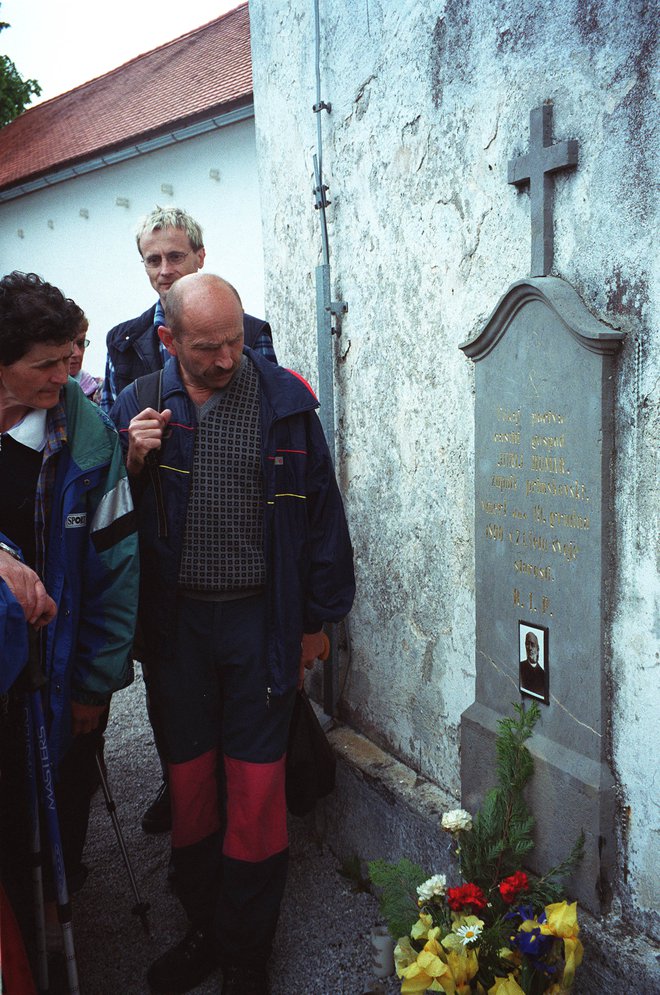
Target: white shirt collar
31,430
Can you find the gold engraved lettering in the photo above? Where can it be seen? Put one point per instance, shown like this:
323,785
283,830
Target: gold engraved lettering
509,438
513,461
494,507
504,483
549,464
519,600
508,416
533,570
569,550
576,490
538,514
572,521
494,532
547,418
528,538
548,442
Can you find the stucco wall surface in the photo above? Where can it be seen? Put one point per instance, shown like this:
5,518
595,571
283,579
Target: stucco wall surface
93,257
429,101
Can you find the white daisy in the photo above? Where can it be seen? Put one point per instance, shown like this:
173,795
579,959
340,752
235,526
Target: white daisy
469,933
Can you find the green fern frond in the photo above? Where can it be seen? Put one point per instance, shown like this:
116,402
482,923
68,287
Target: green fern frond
397,886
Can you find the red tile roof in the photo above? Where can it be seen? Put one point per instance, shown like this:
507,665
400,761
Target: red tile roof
208,70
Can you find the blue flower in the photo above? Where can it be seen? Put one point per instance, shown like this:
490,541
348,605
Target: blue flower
524,912
532,942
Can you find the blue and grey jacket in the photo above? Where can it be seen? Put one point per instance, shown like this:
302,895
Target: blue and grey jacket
90,568
134,350
307,548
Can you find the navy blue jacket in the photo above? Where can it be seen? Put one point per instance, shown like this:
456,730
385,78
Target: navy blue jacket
308,553
133,347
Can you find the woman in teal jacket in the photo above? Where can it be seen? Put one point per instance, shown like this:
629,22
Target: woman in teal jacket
90,564
68,554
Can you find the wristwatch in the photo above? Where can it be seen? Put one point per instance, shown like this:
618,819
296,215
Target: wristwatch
4,548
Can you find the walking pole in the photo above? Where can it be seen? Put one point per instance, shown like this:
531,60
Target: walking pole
141,908
53,828
37,854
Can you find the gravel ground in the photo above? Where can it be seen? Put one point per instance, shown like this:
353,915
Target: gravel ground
323,942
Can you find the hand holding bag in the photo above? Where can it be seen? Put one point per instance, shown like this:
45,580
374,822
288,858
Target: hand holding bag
310,759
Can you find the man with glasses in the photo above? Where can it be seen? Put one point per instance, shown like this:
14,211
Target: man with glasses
171,245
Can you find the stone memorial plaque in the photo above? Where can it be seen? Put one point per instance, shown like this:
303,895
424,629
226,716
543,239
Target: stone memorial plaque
543,549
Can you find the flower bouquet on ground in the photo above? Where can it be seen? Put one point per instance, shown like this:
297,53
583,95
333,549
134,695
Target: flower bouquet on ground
501,931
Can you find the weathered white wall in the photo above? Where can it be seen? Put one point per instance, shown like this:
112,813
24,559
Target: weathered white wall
429,101
95,259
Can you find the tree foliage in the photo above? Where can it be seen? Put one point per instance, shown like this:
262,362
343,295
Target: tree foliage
15,92
397,886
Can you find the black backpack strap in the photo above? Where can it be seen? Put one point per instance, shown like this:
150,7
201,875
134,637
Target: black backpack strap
149,393
149,390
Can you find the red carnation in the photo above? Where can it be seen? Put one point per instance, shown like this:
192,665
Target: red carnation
467,894
511,887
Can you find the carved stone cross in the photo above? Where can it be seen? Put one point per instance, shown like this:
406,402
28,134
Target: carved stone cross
534,168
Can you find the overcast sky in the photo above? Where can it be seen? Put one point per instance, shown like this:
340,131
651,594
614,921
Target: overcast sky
66,43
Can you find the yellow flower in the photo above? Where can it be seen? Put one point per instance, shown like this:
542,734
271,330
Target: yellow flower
428,972
506,986
424,928
404,954
561,921
463,965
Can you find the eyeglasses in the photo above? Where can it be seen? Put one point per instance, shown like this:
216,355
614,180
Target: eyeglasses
81,343
173,258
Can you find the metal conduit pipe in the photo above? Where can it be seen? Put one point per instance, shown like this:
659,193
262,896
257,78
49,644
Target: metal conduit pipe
326,309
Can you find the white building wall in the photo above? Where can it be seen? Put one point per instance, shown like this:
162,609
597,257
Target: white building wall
94,259
429,101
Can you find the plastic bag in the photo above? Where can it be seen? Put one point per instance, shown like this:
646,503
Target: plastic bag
310,759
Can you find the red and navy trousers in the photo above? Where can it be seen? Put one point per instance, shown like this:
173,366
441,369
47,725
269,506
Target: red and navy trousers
225,738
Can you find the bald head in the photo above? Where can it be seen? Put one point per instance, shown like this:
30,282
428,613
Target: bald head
532,647
196,291
204,330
